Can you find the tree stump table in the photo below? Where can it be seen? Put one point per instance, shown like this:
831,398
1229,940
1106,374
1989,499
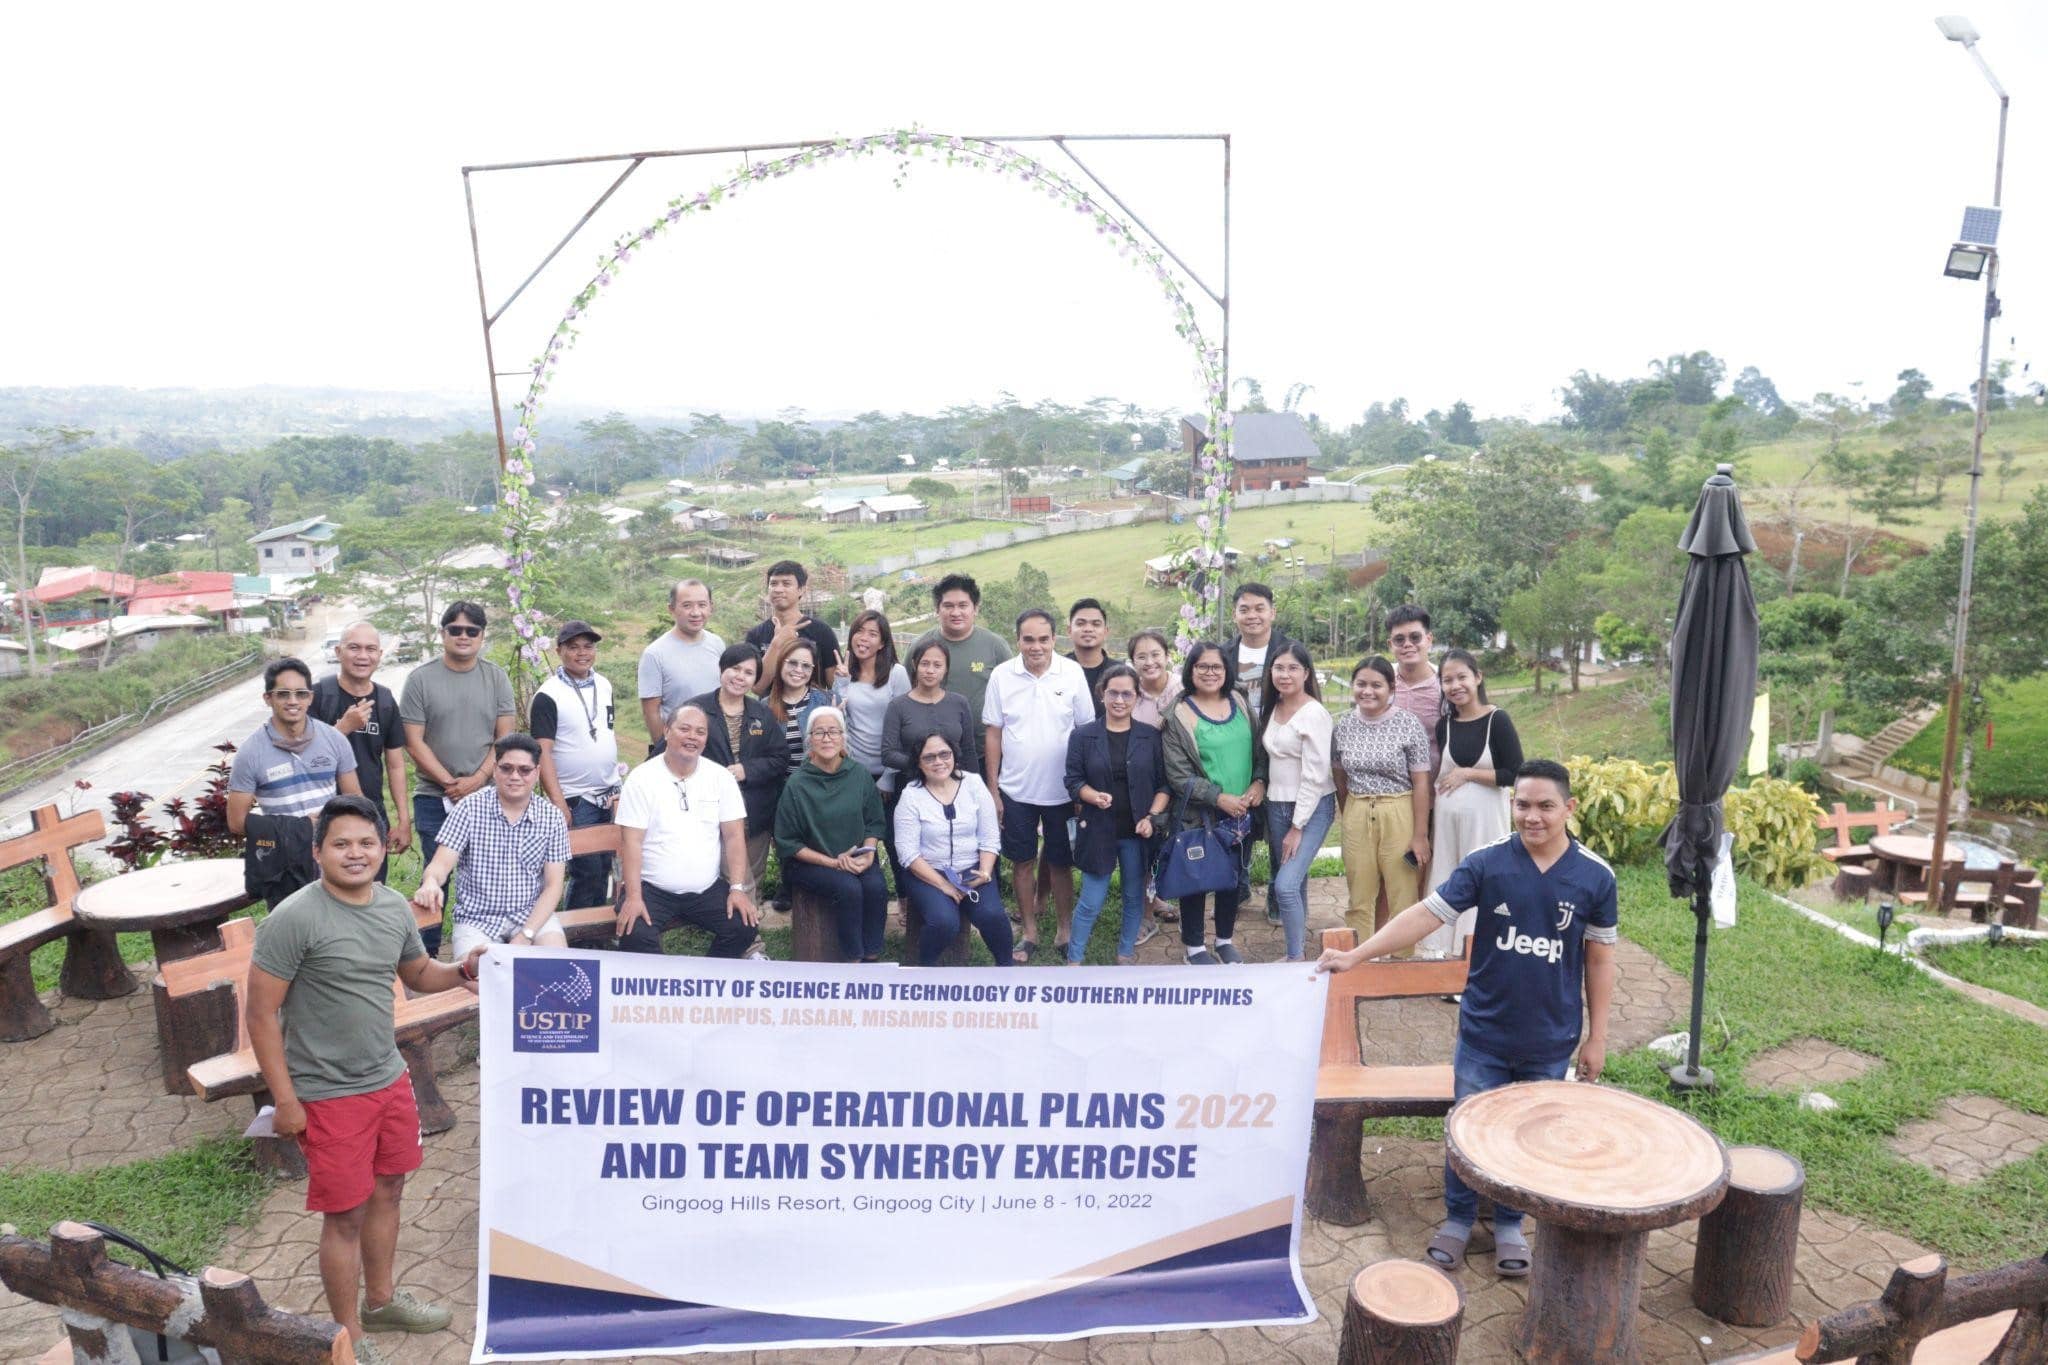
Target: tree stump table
1401,1313
1599,1168
1743,1261
181,906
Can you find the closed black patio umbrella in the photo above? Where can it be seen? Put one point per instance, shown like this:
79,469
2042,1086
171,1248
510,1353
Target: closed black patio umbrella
1713,696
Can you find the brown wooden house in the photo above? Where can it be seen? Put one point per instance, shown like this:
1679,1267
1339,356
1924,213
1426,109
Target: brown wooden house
1272,449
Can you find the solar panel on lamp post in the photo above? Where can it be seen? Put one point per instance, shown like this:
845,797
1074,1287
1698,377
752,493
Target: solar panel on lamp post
1980,229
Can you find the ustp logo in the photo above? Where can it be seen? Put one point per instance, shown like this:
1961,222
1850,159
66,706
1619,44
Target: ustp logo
554,1004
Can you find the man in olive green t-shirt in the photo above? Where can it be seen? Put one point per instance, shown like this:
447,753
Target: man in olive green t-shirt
319,1013
972,651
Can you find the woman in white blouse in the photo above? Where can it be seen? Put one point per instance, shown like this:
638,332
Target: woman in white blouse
947,840
1301,796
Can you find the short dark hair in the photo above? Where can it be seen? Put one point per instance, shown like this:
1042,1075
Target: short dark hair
463,609
1196,651
1113,672
1157,637
956,582
1042,614
1255,589
925,646
1550,770
1378,663
360,807
1406,612
787,568
1083,605
518,742
738,654
272,669
916,769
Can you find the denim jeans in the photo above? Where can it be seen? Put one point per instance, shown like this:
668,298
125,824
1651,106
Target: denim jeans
590,874
1471,1072
1289,889
942,920
428,815
1130,857
860,904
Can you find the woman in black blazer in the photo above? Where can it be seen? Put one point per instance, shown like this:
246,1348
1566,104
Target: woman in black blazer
1116,770
747,740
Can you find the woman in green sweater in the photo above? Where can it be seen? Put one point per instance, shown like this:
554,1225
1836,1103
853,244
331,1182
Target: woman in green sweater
1215,760
826,829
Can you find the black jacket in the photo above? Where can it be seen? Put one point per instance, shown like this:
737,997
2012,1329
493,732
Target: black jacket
277,856
763,749
1088,763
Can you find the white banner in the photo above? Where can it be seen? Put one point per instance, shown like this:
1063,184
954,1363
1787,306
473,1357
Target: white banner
682,1154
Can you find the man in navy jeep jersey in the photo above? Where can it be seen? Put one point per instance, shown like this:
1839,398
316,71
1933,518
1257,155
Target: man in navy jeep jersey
1544,934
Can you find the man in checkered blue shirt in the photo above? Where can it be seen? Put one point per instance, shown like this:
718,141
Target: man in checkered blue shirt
507,852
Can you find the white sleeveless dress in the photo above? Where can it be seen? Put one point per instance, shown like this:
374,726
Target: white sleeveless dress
1473,816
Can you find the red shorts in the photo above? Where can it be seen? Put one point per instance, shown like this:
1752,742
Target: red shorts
351,1139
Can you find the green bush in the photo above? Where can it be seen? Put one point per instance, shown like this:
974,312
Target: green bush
1624,806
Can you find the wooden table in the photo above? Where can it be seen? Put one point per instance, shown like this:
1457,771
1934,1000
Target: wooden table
1599,1168
1903,860
181,907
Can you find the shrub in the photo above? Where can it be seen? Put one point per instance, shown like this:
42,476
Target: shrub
1624,806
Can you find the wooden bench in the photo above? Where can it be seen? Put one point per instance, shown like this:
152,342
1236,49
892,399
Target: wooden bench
1349,1091
591,923
93,969
1983,890
1843,822
1997,1317
416,1020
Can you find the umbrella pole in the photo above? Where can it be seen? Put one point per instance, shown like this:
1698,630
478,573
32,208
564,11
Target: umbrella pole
1689,1074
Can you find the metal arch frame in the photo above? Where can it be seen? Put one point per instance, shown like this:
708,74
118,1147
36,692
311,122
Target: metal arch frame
489,317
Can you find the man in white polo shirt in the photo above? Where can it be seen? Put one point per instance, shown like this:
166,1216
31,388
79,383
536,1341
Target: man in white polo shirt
677,816
1033,703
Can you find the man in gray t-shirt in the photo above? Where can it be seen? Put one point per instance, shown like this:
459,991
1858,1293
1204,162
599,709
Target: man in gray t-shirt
973,651
682,663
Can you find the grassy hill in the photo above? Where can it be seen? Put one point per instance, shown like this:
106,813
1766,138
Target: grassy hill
2013,772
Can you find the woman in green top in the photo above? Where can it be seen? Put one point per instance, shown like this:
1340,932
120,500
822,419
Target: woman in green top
1215,760
826,829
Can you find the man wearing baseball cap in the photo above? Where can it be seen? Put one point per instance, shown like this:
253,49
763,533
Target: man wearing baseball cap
572,717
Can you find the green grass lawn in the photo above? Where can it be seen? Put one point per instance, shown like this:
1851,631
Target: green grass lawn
2017,968
1625,720
182,1204
2013,772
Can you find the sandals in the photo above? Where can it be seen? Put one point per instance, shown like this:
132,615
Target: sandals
1023,953
1147,931
1166,912
1510,1252
1446,1250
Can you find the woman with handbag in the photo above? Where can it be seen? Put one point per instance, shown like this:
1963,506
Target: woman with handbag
1301,800
1479,753
1116,770
1382,776
1216,774
947,840
827,829
746,740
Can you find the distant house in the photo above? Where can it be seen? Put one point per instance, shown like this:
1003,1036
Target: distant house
78,594
1270,449
143,631
298,550
834,508
12,654
726,556
1127,475
894,507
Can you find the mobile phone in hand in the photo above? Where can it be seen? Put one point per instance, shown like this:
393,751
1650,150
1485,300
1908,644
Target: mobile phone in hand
1409,858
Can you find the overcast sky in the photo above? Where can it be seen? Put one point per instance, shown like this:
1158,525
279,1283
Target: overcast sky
1442,201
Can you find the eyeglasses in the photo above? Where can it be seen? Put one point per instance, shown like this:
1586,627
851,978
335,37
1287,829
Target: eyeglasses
462,632
1415,638
819,732
1208,668
291,694
1120,694
516,770
683,794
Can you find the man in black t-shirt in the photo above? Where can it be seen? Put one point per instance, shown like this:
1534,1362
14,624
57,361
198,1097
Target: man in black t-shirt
786,579
367,713
1087,627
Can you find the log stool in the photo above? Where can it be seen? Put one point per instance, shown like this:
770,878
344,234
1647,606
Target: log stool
1401,1313
913,930
813,931
1742,1262
1853,883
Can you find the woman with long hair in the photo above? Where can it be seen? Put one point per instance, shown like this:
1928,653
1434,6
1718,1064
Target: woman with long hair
1116,771
1382,777
746,740
1150,654
1301,797
863,685
1480,752
1215,760
947,839
827,829
790,687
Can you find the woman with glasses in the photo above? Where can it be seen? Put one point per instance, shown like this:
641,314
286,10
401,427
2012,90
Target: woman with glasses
1479,752
828,826
947,839
789,684
1382,776
1301,800
1116,771
863,685
1215,761
746,740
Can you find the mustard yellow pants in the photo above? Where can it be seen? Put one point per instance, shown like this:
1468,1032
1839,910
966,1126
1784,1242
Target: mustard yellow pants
1377,832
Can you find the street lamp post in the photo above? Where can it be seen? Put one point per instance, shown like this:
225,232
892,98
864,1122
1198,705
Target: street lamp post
1957,29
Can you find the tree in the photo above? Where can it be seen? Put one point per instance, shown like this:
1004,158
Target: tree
1911,393
231,527
1594,404
931,490
1254,394
2006,469
1694,378
404,562
22,467
1459,428
1640,582
1878,486
1557,611
144,494
1757,392
460,469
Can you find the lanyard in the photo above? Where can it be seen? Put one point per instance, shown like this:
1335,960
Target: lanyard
589,707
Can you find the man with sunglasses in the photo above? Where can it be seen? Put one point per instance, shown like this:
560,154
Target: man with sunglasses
1416,689
293,764
508,852
681,820
453,709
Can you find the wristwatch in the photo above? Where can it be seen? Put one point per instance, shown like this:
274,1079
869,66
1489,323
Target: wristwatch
740,887
526,933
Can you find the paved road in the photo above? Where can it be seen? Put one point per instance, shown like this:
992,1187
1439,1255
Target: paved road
168,759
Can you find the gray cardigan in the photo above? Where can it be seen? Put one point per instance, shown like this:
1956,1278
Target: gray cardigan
1184,771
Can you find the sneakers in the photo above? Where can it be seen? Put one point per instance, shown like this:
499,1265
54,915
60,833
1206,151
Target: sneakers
367,1353
1202,957
1272,916
1228,953
1147,931
404,1314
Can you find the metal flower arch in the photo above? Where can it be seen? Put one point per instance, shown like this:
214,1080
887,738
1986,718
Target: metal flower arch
521,514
